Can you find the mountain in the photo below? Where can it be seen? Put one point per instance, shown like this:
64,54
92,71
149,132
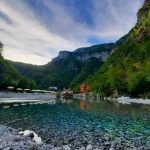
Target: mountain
127,70
66,66
122,68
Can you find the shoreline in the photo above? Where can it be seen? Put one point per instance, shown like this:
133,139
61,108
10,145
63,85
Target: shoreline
128,100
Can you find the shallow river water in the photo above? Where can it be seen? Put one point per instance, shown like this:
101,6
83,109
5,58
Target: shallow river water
78,123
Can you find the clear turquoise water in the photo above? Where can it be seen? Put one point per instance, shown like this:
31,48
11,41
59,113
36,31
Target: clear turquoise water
129,125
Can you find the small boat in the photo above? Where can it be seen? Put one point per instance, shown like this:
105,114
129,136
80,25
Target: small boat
67,94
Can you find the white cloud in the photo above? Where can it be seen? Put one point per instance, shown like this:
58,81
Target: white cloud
26,36
115,18
29,39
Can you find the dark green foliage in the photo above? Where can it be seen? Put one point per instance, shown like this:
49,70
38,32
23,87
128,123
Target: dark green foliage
1,48
88,69
23,83
32,72
8,74
60,73
32,84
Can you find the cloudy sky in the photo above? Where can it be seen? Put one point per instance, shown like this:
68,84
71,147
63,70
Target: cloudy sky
34,31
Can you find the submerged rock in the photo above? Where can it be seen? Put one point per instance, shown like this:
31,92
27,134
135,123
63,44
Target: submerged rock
32,135
89,147
66,147
12,141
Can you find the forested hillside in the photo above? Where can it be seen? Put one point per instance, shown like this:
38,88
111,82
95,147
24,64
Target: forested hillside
127,70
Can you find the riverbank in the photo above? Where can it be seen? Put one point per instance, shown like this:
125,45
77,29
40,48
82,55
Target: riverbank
26,96
122,100
128,100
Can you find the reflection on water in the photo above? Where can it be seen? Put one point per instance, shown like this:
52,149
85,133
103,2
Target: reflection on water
67,101
96,106
83,104
82,120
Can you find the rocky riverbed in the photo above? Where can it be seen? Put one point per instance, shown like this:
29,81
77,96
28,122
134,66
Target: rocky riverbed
77,125
11,140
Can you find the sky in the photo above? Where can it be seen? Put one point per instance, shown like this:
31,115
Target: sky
34,31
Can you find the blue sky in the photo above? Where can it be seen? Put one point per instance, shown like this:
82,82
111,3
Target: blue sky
34,31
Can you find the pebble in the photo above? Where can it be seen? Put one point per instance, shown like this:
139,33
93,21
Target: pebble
89,147
111,149
66,147
107,143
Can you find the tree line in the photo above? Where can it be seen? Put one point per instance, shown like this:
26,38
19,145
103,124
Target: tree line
10,76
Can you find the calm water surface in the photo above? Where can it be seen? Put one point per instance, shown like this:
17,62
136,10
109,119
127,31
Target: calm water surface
83,122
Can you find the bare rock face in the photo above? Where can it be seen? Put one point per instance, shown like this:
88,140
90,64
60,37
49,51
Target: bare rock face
142,28
102,56
100,52
64,54
144,11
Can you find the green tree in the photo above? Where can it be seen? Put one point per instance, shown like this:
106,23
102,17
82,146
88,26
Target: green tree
23,83
9,76
32,84
119,84
1,48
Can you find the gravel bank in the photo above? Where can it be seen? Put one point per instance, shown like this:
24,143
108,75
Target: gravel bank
11,140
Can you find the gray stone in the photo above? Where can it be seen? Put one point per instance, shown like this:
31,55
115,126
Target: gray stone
89,147
66,147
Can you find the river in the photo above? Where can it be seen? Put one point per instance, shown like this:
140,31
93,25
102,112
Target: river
78,123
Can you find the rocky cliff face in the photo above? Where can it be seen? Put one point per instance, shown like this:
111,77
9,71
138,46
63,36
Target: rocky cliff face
143,24
100,52
143,11
102,56
63,55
